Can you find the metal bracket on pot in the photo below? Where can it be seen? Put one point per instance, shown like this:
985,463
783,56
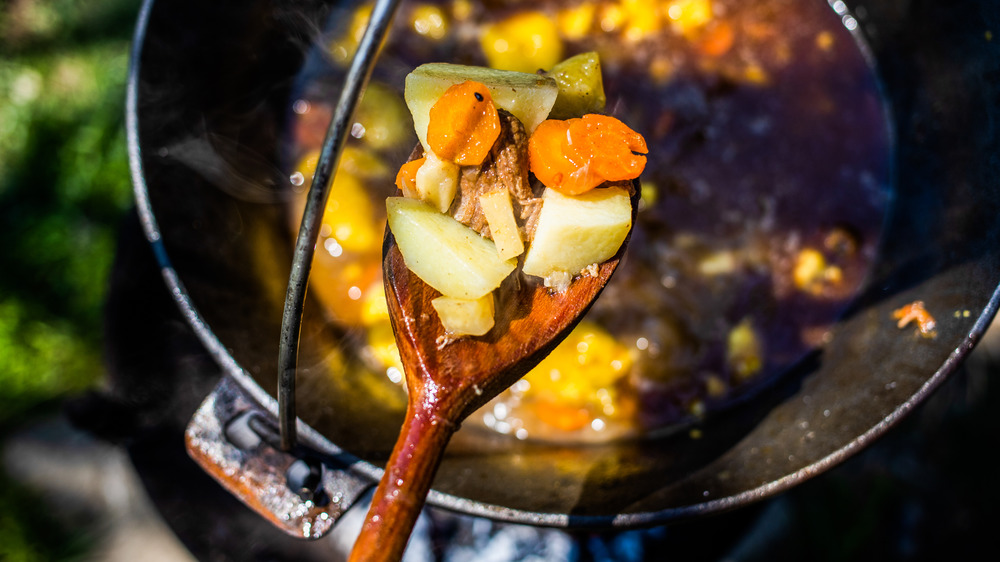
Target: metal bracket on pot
302,491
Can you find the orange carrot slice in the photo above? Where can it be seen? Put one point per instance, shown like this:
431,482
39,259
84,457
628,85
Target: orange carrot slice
577,155
565,417
406,179
717,39
615,151
546,152
463,124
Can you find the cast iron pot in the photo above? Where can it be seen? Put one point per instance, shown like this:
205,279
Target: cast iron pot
207,106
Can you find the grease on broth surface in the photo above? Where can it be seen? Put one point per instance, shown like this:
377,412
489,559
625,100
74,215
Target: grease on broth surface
762,203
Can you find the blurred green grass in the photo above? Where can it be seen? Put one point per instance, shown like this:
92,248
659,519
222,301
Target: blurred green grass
64,187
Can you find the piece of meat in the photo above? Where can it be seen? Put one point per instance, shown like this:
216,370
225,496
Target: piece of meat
506,167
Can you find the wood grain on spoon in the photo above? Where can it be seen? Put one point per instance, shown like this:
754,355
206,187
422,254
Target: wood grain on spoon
448,380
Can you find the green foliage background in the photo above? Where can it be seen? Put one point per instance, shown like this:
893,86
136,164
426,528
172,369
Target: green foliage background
64,186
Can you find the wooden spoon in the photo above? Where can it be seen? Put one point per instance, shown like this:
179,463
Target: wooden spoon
447,381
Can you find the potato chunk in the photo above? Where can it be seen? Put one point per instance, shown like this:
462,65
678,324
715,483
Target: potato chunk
581,87
462,317
443,252
499,213
575,232
437,182
529,97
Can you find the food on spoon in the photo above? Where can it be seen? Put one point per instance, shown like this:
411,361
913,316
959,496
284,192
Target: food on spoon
406,178
483,156
463,124
465,317
529,97
581,86
450,370
436,182
574,233
577,155
443,252
499,214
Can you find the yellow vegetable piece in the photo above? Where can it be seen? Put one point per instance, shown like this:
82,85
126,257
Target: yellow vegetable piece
574,232
461,9
382,120
374,309
576,22
688,16
643,19
382,347
744,350
465,317
812,273
581,371
612,17
499,213
436,182
350,216
581,86
339,282
525,42
343,47
809,266
361,163
755,74
354,161
444,253
429,21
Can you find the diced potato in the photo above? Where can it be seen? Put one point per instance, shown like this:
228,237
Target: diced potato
350,215
744,350
723,262
446,254
575,22
503,227
581,87
526,42
463,317
382,117
374,309
437,182
430,21
575,232
688,16
382,348
588,360
528,96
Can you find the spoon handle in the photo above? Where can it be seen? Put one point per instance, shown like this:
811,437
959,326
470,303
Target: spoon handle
402,491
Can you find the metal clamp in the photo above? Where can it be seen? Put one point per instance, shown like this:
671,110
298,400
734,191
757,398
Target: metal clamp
303,491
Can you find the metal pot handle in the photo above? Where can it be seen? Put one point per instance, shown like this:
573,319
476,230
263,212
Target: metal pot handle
302,491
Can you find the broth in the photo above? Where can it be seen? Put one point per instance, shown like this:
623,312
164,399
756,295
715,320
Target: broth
763,197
